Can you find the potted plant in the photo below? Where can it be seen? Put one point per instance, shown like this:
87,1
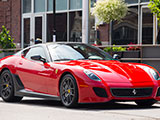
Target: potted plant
6,42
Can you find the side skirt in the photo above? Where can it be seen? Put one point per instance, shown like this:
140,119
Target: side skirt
20,90
35,94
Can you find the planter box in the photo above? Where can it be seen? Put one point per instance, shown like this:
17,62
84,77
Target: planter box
4,54
131,54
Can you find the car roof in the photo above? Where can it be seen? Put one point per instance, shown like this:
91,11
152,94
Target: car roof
52,43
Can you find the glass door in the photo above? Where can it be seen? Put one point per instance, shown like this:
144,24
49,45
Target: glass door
38,33
26,32
39,29
33,29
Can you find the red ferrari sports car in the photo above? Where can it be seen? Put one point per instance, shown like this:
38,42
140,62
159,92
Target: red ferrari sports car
76,73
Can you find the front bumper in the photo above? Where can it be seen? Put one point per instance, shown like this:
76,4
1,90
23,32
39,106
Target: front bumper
87,93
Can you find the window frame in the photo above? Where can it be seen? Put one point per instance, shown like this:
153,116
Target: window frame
45,49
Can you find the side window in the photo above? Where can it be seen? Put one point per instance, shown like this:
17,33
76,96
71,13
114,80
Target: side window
34,51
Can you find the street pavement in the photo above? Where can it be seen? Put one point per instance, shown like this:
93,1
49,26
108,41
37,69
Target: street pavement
40,109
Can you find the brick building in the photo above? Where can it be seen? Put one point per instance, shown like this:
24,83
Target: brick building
10,17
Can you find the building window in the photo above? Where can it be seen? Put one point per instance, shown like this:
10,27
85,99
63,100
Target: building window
92,32
50,5
61,27
26,36
75,26
158,35
26,6
147,26
60,5
126,32
39,5
75,4
145,0
38,27
131,1
93,2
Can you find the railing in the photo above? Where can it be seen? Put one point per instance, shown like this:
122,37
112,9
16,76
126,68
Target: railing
7,52
15,49
149,54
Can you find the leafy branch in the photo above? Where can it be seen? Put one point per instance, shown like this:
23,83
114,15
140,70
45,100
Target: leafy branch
154,6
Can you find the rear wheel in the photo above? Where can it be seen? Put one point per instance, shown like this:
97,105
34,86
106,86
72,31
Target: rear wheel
69,91
7,87
145,103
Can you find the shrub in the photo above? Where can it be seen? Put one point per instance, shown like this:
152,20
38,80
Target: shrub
6,42
114,49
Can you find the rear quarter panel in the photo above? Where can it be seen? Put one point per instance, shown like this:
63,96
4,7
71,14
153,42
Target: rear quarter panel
10,63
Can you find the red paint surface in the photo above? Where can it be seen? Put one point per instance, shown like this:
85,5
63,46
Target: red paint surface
44,78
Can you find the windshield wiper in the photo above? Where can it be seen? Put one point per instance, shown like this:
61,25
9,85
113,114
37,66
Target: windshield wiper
66,59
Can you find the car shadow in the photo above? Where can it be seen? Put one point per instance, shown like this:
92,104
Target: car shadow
99,106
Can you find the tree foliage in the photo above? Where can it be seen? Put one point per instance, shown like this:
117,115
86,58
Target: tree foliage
154,6
6,41
110,10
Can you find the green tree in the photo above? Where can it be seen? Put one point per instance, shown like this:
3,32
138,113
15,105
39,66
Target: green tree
6,41
154,6
110,10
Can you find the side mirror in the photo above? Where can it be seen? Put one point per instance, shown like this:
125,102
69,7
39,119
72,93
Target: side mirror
38,58
116,56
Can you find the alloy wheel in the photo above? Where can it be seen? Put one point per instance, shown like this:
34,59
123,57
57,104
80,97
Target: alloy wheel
68,91
6,85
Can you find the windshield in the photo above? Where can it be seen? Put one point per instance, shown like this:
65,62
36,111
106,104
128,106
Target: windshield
60,52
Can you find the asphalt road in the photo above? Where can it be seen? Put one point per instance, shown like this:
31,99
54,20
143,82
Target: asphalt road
40,109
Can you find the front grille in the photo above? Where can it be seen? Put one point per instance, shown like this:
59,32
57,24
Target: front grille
131,92
100,92
158,92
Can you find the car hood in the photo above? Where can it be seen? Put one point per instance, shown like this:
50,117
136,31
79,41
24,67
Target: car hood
114,71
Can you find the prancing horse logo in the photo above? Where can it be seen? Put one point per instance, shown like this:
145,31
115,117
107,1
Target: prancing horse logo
134,91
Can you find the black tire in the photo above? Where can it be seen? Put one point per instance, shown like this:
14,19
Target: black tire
7,87
145,103
69,91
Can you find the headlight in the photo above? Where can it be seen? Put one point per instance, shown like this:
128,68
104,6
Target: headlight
151,71
154,74
91,75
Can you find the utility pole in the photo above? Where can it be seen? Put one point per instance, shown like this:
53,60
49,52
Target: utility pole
54,20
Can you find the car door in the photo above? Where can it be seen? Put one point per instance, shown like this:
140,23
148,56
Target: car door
34,74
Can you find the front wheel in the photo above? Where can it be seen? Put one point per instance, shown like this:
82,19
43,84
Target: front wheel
145,103
69,91
7,87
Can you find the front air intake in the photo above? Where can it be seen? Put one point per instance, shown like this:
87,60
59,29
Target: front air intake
100,92
158,92
131,92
